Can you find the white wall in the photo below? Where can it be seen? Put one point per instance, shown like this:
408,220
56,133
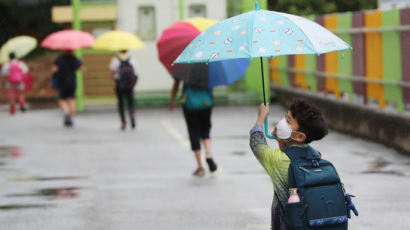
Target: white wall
152,75
391,4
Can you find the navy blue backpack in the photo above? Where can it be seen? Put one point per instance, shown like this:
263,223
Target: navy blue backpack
323,202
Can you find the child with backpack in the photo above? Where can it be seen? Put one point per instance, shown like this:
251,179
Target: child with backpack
123,69
15,70
308,193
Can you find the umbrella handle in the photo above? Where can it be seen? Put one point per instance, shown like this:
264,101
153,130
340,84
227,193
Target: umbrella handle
268,135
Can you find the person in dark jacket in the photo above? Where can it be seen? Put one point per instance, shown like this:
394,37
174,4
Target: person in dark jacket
65,67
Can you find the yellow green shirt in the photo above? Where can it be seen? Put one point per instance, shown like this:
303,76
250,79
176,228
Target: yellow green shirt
276,164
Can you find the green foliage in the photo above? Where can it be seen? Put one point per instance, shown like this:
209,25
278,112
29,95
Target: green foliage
303,7
19,18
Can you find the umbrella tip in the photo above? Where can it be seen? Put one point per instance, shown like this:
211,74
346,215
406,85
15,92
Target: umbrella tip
257,5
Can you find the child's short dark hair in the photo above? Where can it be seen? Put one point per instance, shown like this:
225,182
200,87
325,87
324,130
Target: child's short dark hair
310,120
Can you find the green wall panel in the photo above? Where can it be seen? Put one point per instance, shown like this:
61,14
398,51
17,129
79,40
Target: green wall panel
392,69
311,79
345,62
283,74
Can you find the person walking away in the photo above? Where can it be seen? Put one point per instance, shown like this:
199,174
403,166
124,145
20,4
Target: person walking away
197,109
65,67
308,193
123,69
15,70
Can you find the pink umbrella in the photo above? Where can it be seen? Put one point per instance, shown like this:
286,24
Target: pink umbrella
173,41
68,40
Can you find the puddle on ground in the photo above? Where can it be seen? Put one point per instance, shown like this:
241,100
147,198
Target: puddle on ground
52,193
390,172
247,172
232,137
10,207
49,178
239,153
10,151
376,167
360,153
378,164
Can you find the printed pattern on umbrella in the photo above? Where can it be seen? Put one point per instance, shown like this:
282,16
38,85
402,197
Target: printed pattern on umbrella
260,33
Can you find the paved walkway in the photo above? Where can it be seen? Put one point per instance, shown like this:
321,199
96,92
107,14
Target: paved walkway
96,177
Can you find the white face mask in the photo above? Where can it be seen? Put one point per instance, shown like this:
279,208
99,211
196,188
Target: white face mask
284,130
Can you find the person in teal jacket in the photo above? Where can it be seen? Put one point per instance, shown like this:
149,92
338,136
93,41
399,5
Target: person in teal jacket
302,124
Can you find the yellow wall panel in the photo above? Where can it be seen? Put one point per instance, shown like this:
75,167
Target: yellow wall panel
300,78
374,57
275,72
331,59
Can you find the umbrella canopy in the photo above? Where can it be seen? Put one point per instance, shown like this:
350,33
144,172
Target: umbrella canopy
212,74
68,40
118,40
175,38
20,45
260,33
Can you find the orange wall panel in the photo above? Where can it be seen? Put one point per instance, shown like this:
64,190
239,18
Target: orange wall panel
275,72
331,59
374,57
300,78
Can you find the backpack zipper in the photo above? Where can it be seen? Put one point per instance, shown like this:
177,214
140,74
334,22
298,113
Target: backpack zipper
306,168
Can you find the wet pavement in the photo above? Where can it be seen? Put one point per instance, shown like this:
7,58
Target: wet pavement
95,176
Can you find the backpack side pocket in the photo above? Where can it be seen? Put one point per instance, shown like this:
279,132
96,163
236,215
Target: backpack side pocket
295,216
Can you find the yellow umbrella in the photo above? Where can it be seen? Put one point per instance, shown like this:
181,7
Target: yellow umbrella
201,23
20,45
118,40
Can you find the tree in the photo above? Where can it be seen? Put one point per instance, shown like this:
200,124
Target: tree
303,7
20,18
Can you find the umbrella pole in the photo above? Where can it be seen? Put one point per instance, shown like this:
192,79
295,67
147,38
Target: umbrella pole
266,123
263,83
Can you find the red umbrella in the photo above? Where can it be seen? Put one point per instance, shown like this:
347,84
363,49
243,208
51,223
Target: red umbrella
175,38
68,40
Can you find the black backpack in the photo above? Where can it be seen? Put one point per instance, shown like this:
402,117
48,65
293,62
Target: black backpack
323,202
128,79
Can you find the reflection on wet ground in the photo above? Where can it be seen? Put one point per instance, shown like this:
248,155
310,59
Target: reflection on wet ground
52,193
389,172
10,151
10,207
239,153
247,172
49,178
378,164
376,167
242,137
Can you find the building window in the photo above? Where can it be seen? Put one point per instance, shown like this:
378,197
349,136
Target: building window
197,10
146,23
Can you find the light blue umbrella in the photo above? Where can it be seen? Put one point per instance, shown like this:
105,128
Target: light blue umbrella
260,33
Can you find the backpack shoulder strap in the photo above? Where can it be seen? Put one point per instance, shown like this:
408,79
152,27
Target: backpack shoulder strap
298,155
